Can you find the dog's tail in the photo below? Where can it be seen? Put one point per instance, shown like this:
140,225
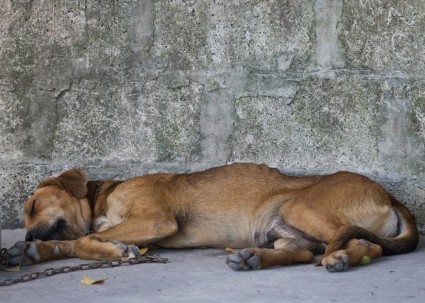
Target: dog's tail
406,240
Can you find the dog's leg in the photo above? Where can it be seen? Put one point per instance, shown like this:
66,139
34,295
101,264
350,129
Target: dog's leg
351,255
27,253
150,228
285,252
119,242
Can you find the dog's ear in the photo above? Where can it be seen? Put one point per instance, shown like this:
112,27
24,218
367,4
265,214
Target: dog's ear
74,181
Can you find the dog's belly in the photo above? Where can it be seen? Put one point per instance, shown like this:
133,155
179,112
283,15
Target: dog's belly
236,231
186,239
245,225
210,234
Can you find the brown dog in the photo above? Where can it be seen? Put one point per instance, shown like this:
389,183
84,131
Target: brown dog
276,219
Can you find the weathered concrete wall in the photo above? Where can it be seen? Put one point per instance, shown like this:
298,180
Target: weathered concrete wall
130,87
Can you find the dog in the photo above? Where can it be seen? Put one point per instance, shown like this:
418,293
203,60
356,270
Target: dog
274,219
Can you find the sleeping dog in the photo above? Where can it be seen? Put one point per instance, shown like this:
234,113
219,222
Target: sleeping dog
274,219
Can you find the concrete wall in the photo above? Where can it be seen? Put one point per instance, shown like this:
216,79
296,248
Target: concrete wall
129,87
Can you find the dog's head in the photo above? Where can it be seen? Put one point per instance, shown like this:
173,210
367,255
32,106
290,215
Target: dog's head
58,209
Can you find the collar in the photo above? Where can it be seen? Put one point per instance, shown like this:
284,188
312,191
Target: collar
93,190
96,192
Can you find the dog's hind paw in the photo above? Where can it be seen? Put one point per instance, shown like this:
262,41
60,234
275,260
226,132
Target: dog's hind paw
336,262
243,260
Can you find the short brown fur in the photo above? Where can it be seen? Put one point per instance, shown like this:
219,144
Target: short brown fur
275,219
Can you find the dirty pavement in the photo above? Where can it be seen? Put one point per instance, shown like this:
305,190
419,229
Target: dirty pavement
201,275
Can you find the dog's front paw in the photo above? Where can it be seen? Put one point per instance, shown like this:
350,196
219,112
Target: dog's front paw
127,251
244,260
23,253
337,261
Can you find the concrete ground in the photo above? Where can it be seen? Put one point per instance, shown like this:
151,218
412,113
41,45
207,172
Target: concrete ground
201,275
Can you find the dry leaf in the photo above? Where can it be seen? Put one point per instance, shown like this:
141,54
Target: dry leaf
13,269
232,250
365,260
86,280
143,251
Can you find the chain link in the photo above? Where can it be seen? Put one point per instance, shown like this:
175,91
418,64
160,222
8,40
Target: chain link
4,260
67,269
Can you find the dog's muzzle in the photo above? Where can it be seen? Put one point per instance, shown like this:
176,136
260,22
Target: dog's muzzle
46,232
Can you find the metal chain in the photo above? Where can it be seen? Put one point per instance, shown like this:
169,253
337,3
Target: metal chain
67,269
4,260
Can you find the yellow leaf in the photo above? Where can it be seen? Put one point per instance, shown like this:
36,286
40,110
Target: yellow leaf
232,250
143,251
13,269
365,260
86,280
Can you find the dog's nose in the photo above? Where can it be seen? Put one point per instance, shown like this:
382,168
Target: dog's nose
29,237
